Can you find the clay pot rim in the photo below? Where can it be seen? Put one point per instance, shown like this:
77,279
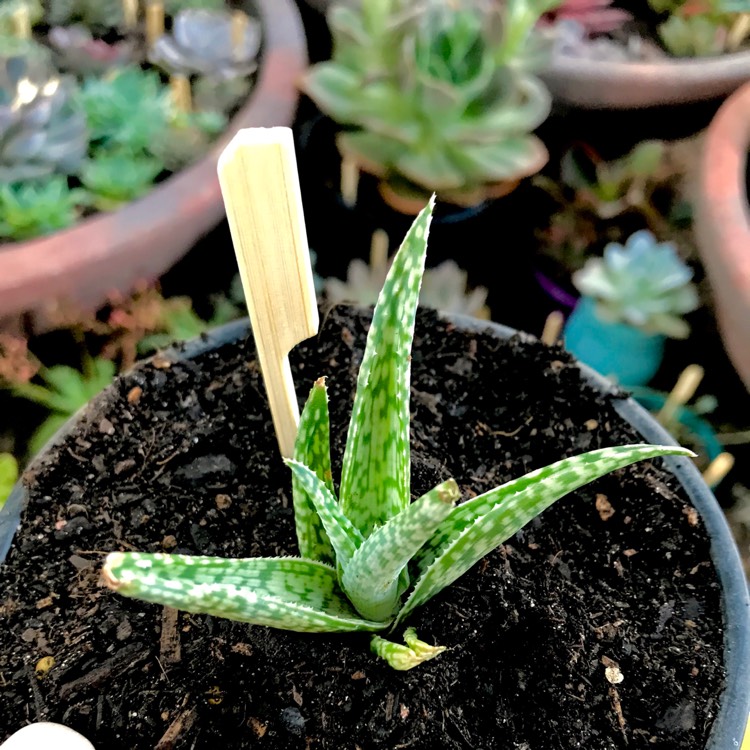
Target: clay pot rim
732,718
53,260
610,84
722,223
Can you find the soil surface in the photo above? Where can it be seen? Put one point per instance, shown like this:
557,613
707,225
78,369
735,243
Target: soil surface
182,457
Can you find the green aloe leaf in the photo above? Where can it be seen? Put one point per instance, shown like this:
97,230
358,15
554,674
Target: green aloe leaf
312,449
371,578
282,592
477,527
376,467
403,657
344,536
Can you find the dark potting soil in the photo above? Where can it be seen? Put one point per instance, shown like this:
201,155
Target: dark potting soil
183,458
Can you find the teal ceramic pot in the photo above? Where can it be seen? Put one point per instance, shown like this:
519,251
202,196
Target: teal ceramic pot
616,350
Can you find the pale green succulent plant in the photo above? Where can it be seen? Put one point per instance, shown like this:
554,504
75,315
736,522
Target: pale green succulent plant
441,94
444,288
643,283
371,557
703,28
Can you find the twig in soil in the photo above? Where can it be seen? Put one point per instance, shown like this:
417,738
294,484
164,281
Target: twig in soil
121,662
617,708
39,708
181,725
170,648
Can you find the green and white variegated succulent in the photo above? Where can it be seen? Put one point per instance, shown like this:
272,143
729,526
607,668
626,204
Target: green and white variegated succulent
643,283
441,92
371,556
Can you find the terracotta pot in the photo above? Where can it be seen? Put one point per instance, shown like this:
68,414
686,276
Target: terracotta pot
112,251
722,224
603,84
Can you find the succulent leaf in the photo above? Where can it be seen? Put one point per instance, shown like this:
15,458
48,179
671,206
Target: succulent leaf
375,476
402,657
312,449
480,525
371,578
344,536
285,593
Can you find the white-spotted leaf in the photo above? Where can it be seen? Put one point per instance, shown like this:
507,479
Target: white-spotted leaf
283,592
312,448
375,477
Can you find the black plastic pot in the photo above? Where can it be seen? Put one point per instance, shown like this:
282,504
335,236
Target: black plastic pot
732,718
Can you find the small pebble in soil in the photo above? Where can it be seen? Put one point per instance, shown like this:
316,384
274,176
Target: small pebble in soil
292,720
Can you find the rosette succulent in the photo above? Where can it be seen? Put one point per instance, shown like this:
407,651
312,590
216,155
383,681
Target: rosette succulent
42,130
643,283
443,288
369,554
703,27
440,94
204,42
77,50
93,13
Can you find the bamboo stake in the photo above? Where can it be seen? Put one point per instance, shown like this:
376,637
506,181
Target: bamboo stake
552,328
260,185
718,469
22,22
349,181
130,14
238,30
739,32
182,96
683,391
154,21
379,249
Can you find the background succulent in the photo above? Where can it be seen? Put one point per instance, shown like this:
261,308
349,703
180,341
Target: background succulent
77,51
443,288
119,177
595,16
126,109
702,27
9,10
643,283
42,129
31,209
203,42
93,13
440,93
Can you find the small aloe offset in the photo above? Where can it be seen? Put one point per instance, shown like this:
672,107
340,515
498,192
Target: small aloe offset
370,556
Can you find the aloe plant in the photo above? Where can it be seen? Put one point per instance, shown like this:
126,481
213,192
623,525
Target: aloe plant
369,556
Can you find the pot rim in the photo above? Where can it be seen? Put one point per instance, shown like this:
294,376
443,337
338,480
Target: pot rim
69,260
734,711
614,84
